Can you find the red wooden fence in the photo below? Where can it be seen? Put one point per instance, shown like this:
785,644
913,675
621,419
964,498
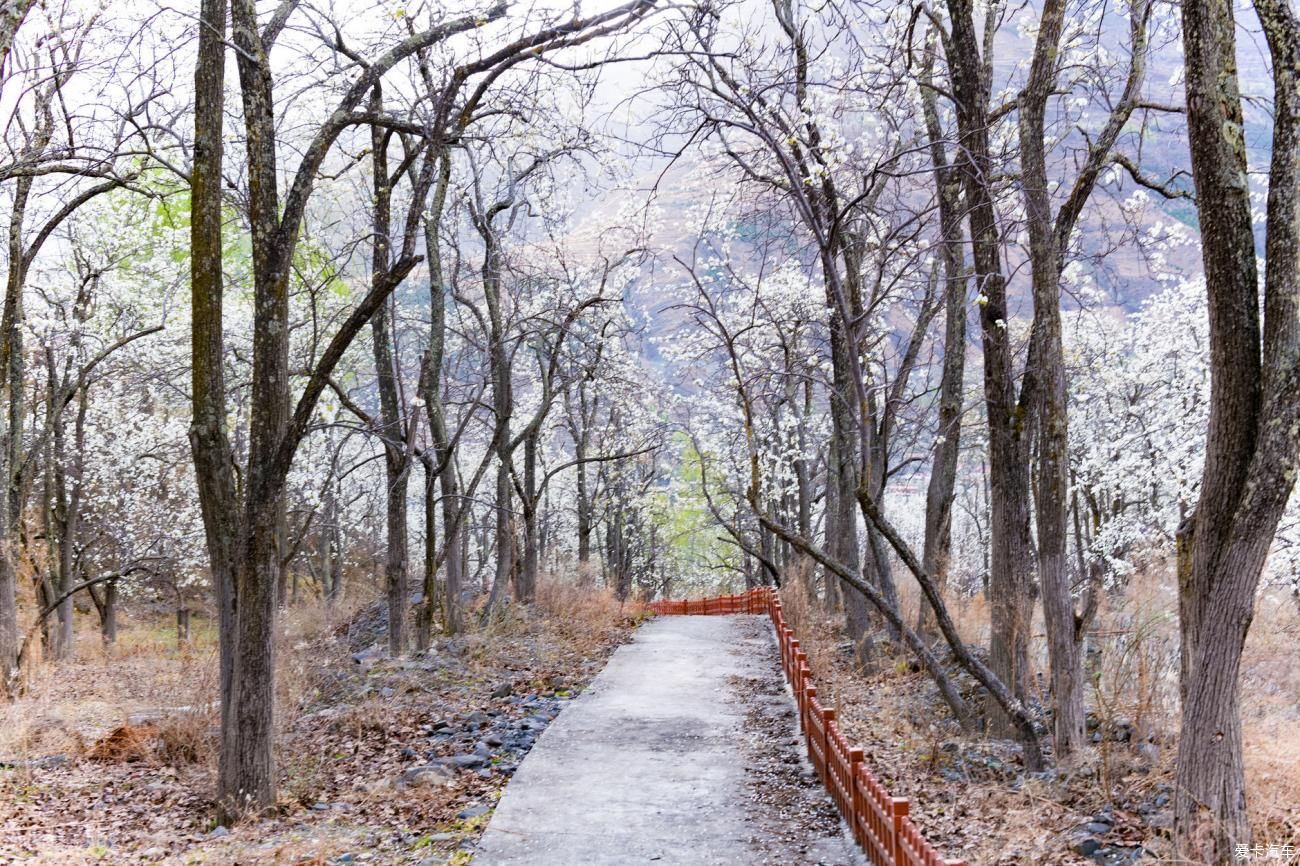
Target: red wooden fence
879,822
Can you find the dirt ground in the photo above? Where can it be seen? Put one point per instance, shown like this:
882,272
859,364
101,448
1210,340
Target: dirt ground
109,759
969,794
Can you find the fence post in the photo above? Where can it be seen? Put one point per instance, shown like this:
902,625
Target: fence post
857,757
828,719
791,665
899,806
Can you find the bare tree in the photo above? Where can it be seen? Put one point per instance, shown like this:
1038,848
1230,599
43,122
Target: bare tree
243,523
1253,442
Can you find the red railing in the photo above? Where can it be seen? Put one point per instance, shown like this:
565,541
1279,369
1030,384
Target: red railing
879,822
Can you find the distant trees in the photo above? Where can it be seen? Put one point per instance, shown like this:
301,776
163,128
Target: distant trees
56,161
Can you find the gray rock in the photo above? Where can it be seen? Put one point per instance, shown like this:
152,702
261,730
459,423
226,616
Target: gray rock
474,811
427,775
1097,828
1087,846
369,655
218,832
468,762
503,691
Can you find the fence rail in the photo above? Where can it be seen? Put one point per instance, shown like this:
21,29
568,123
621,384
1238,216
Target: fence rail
880,823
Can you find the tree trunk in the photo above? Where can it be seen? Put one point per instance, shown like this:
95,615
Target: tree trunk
426,613
503,537
1253,441
246,775
108,615
12,378
526,588
1048,352
941,489
327,543
454,534
1011,546
213,464
68,485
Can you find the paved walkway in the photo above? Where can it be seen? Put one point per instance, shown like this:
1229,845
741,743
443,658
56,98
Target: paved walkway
647,765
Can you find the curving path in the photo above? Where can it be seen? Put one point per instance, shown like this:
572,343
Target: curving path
656,763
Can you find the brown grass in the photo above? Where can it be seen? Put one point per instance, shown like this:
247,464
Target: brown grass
1270,686
1133,683
124,744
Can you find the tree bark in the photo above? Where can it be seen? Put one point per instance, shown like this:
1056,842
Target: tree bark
941,489
1253,439
1052,489
1011,547
392,427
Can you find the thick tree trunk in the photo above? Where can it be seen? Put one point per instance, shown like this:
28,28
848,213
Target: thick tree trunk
454,534
246,775
1052,489
842,522
455,539
12,375
392,425
213,464
1011,547
503,537
1253,441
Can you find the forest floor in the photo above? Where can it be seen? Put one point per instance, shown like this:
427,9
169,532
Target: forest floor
969,794
110,758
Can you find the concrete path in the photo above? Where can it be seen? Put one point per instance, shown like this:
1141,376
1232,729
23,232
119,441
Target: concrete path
648,765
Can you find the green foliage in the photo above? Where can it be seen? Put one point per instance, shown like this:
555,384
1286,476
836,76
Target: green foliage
691,536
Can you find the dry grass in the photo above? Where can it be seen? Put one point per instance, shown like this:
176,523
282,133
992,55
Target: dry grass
99,689
581,617
970,614
1270,687
895,714
134,731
